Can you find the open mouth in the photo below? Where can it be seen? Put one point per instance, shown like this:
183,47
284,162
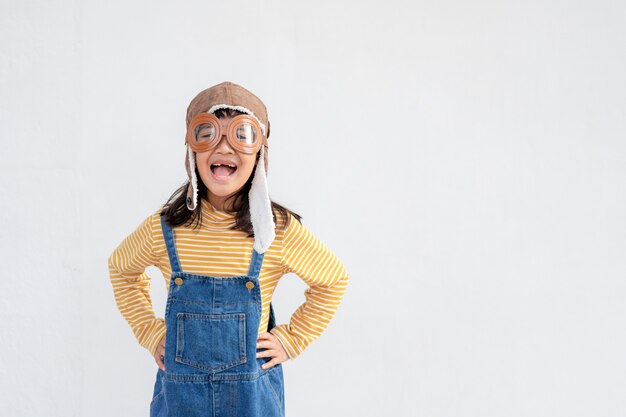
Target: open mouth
222,171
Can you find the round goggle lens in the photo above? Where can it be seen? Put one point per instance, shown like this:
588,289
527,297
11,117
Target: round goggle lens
246,134
205,133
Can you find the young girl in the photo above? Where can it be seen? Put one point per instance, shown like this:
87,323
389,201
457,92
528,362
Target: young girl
222,246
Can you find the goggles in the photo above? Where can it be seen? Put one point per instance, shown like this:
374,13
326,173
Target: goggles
243,133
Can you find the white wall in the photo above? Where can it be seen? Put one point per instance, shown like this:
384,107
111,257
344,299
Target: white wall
465,160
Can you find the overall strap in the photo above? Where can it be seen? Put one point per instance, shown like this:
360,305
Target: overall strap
255,269
168,235
255,264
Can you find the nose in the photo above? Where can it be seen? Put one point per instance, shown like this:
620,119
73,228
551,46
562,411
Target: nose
223,144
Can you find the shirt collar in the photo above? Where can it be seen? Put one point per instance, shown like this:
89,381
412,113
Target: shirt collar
216,217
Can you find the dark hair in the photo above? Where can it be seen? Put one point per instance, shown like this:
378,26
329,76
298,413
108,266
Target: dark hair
176,212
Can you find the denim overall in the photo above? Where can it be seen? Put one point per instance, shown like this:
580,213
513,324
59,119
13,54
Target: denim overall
211,368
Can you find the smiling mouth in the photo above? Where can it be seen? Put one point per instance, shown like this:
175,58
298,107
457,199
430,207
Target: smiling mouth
222,171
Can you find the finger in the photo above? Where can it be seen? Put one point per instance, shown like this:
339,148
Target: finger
266,344
269,364
159,357
266,335
160,363
266,353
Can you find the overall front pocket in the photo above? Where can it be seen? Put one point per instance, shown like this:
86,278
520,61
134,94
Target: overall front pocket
211,342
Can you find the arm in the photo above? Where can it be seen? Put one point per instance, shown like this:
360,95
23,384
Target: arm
131,285
307,257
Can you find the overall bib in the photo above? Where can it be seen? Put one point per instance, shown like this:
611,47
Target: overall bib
211,368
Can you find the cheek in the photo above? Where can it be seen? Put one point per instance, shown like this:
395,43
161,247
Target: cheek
247,168
202,163
202,158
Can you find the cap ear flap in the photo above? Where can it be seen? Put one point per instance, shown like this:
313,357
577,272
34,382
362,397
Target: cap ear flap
192,190
187,167
268,129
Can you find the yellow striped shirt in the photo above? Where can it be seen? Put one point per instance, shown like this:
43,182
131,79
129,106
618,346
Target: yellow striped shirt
215,250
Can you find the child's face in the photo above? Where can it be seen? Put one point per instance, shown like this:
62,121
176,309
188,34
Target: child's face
222,182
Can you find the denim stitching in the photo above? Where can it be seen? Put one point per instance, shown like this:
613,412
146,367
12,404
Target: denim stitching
182,300
238,318
157,397
180,340
233,399
274,393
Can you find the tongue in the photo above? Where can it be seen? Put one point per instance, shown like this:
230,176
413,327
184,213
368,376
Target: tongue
223,171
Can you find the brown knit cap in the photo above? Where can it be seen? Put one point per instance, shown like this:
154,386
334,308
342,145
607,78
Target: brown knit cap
231,94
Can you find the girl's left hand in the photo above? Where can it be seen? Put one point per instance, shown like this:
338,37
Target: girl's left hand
273,349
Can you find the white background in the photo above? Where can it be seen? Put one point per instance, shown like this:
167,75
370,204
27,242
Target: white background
465,160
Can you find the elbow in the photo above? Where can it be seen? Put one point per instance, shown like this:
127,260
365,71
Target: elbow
112,262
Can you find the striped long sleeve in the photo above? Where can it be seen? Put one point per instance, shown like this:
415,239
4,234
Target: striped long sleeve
217,250
327,278
131,284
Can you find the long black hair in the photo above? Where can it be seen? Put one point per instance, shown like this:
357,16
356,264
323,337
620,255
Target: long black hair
176,212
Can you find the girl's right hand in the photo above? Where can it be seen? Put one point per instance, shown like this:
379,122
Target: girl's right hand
159,354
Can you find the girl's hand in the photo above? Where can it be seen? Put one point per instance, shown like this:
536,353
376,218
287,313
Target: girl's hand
273,349
160,353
